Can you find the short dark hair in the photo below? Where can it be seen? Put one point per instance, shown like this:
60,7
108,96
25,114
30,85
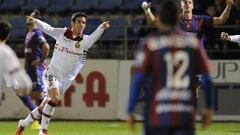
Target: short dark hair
78,14
36,14
4,30
169,12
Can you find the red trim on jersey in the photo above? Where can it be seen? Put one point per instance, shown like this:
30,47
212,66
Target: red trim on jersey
69,34
153,113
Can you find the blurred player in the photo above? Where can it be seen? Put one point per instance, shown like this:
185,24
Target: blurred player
68,58
194,25
36,51
171,60
10,68
233,38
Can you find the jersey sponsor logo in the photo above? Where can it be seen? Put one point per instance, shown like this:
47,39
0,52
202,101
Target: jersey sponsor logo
66,50
173,95
165,108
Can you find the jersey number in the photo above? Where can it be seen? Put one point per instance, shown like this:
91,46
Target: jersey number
177,78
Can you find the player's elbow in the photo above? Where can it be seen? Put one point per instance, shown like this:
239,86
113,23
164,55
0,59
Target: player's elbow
219,21
46,47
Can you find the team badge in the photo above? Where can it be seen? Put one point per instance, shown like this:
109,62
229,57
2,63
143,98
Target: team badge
77,45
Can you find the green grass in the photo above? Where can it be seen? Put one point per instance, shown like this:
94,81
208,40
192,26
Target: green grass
109,128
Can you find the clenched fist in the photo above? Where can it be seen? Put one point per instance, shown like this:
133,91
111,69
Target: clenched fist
225,36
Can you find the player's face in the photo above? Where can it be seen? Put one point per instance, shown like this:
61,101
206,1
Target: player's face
30,24
187,6
79,25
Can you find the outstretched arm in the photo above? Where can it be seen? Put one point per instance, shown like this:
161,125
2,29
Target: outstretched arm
46,28
97,34
224,16
233,38
148,13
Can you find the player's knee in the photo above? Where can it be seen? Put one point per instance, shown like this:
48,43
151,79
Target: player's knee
55,99
53,103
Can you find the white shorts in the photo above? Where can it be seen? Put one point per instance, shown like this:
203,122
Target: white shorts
50,81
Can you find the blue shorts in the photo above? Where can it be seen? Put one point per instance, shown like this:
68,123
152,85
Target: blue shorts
36,75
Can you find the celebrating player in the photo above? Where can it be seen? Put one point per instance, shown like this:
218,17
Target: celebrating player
171,60
68,58
10,68
195,25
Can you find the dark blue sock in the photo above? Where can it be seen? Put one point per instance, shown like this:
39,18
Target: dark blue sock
28,102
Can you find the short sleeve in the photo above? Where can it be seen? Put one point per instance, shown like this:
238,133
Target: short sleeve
40,37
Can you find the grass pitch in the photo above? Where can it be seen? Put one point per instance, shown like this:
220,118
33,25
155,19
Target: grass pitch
109,128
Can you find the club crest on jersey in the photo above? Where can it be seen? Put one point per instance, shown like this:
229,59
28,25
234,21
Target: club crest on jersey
77,45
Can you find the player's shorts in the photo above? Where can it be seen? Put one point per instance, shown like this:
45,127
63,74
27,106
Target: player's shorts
50,81
169,131
36,75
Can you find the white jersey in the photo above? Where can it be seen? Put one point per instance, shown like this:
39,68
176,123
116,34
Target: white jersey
69,55
11,70
9,61
235,38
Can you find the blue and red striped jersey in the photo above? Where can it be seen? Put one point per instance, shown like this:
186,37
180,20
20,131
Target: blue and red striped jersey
33,46
197,26
172,60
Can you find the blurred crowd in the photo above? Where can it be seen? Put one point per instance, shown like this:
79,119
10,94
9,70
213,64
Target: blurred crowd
127,20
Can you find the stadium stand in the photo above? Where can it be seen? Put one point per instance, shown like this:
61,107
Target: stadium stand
135,27
57,6
50,21
131,5
128,23
64,22
118,29
77,4
92,24
108,5
35,4
19,27
11,5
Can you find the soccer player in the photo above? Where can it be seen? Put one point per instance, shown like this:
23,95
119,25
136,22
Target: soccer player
195,25
233,38
170,59
36,51
68,59
10,68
